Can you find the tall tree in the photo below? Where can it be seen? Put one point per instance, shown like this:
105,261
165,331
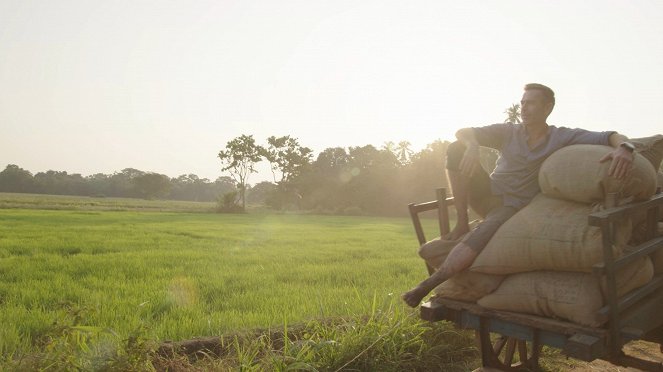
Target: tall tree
390,146
16,179
121,183
152,185
404,152
239,159
286,156
513,114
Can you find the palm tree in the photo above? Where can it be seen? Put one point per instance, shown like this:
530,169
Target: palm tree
404,152
513,114
389,146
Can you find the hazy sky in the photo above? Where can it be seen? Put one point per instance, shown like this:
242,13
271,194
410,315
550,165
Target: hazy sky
91,86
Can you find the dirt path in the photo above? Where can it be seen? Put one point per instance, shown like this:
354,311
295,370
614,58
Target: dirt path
640,349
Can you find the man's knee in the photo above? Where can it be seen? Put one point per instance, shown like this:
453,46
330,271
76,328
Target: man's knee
460,258
455,152
430,249
437,248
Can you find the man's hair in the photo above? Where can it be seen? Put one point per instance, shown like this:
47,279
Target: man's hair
548,93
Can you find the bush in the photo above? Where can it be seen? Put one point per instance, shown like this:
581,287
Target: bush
227,203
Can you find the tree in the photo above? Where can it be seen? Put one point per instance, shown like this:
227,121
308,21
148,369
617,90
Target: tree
390,146
239,158
513,114
332,158
191,187
122,185
286,156
152,185
99,184
262,193
59,183
225,184
425,173
371,185
16,179
404,152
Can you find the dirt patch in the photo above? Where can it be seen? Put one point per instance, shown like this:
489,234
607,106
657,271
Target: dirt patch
641,349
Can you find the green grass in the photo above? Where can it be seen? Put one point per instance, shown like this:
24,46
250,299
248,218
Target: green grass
64,202
98,284
184,275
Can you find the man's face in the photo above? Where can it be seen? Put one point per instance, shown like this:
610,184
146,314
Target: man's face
533,107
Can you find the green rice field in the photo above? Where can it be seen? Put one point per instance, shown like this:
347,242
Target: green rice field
184,275
100,283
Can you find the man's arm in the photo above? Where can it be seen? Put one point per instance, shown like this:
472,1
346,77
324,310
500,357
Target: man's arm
622,157
617,139
470,160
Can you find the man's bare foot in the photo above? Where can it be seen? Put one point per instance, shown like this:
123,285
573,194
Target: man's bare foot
414,296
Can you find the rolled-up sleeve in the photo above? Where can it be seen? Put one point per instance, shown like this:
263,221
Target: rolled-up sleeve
493,136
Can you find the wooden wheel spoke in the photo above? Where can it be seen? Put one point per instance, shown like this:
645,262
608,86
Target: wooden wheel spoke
522,351
500,354
499,345
510,350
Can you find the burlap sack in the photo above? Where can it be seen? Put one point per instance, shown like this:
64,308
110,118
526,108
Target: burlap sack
465,286
548,234
651,148
434,252
571,296
574,173
469,286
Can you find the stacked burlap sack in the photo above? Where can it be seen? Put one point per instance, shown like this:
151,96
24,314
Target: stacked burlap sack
540,261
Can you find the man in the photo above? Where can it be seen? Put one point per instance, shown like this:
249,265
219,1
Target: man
514,182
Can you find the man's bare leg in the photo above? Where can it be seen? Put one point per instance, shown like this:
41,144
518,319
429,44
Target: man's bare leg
460,189
459,259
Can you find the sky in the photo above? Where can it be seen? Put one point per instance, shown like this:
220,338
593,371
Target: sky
91,86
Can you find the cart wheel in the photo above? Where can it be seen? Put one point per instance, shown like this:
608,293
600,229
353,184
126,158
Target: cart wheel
508,353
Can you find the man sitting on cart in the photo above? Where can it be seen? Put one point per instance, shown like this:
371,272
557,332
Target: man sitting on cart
514,182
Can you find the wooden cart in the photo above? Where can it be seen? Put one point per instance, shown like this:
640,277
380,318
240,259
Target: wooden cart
512,341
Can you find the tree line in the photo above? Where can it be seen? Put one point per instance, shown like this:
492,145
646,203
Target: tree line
128,183
352,180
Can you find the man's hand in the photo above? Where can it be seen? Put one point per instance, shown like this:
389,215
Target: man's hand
470,161
622,162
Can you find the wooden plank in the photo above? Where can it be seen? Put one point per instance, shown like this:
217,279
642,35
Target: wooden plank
584,347
654,335
645,314
640,364
639,251
545,331
417,224
652,223
607,235
440,305
423,207
634,296
614,214
442,211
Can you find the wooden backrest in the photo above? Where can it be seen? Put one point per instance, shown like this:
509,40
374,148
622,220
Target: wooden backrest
442,206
